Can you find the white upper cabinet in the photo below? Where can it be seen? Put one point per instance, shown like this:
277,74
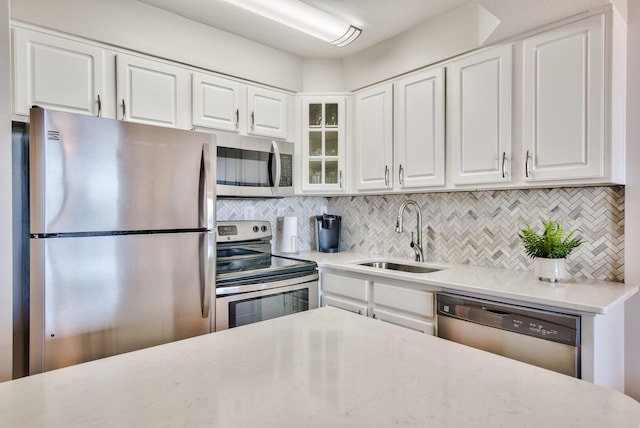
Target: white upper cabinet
420,134
569,110
479,113
216,102
230,105
374,138
59,74
323,144
267,112
153,92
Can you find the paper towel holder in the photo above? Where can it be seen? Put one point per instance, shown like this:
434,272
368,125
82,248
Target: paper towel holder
289,235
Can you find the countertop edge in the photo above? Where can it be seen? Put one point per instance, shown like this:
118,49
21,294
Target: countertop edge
451,279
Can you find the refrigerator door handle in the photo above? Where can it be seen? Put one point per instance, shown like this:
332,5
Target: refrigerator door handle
206,208
276,154
207,275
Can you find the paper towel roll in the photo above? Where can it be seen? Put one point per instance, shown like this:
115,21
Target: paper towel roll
289,241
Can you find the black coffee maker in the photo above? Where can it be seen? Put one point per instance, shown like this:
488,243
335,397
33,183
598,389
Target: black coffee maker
328,233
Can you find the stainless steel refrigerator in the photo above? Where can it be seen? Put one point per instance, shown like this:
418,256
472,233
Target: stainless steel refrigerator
122,245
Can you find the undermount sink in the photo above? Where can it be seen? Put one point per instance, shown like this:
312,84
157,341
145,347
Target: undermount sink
381,264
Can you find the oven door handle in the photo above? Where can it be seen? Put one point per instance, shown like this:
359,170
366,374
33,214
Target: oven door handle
258,284
207,275
276,154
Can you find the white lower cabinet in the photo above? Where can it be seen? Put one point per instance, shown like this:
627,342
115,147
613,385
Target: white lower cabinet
401,304
426,327
359,308
344,292
404,306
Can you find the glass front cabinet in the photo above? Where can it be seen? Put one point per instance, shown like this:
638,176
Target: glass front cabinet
323,144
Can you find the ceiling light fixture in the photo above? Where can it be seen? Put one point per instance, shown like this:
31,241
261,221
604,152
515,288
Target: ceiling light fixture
305,18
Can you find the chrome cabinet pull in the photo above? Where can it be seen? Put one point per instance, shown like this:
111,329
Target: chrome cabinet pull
340,178
400,175
124,110
99,106
386,175
504,161
253,121
237,118
526,165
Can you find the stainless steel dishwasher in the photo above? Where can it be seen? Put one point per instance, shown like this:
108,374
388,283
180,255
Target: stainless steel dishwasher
546,339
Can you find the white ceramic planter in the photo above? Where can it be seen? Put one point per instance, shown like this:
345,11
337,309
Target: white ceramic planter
550,270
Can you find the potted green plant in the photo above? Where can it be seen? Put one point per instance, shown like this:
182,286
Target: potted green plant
549,249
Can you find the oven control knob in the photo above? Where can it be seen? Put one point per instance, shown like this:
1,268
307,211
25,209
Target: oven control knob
256,229
263,228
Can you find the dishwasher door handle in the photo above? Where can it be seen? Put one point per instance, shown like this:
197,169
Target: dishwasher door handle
495,311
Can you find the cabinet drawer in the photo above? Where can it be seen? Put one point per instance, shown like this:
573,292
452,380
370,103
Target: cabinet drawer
425,327
404,299
344,286
336,302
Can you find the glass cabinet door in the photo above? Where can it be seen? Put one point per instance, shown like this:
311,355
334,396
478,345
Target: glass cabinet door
323,144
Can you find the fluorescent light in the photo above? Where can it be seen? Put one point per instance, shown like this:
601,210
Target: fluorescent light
302,17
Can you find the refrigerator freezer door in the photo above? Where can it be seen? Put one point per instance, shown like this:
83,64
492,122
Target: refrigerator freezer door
90,174
93,297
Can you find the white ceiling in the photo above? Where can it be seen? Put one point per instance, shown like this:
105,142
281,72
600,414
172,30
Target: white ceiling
379,19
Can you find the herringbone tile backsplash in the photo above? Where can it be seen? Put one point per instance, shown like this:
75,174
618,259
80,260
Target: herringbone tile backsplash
273,210
479,228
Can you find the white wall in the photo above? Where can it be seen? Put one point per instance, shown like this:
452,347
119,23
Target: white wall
323,75
442,37
632,202
138,26
6,253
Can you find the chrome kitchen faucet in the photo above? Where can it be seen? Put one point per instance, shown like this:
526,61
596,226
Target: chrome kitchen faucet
417,245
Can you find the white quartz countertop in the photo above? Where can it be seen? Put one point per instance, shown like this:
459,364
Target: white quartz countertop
320,368
578,295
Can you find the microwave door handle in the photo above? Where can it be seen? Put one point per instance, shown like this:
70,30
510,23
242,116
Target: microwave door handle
206,207
276,181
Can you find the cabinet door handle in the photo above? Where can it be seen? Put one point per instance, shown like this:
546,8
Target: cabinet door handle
253,121
400,175
386,175
375,317
99,106
237,118
340,178
526,165
504,162
124,110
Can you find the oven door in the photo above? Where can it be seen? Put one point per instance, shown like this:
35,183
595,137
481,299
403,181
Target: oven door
278,299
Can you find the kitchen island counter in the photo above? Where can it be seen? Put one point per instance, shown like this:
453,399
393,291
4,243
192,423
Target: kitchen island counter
319,368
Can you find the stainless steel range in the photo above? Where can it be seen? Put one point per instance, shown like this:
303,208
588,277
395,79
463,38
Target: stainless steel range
252,284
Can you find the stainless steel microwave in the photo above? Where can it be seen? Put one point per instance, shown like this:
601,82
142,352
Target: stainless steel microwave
253,167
